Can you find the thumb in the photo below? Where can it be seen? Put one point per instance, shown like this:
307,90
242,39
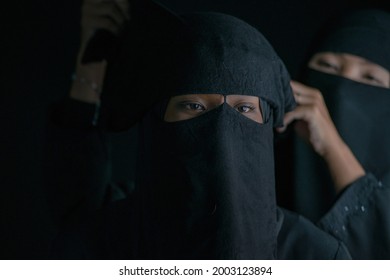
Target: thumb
288,119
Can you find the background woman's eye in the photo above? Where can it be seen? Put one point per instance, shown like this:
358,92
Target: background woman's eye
369,78
327,64
372,78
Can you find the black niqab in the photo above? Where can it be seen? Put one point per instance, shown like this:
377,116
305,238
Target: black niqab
207,188
204,186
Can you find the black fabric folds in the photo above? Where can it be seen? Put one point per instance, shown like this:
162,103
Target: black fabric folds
162,55
361,114
206,188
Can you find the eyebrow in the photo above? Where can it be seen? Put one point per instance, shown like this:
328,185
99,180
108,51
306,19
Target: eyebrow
362,60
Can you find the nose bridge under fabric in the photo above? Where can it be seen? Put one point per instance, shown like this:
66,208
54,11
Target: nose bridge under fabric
349,72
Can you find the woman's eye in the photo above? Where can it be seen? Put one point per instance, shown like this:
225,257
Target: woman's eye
372,79
327,65
193,106
244,108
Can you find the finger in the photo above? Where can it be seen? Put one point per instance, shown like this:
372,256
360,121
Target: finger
302,99
113,11
305,90
305,113
300,87
299,113
104,9
305,95
98,22
97,1
313,102
288,119
124,6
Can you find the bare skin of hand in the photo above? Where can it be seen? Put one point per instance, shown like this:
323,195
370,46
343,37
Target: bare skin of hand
96,14
314,125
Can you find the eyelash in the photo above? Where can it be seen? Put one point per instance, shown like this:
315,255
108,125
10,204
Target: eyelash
240,106
191,105
324,63
371,78
194,106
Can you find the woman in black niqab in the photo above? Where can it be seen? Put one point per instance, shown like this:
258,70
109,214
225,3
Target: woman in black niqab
204,186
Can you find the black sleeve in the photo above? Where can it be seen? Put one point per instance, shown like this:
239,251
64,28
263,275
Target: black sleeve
361,219
71,113
77,164
300,239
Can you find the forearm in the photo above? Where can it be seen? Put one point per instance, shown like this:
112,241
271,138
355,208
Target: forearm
343,165
96,15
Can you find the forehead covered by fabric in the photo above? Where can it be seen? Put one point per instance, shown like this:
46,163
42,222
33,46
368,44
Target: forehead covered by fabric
228,56
364,33
198,53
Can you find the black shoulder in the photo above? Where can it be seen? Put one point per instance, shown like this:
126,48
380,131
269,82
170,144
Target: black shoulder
108,234
300,239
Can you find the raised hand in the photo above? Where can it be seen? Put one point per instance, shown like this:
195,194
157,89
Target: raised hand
109,15
314,124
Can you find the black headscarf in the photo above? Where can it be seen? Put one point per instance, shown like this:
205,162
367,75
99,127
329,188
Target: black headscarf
360,112
161,54
364,33
205,186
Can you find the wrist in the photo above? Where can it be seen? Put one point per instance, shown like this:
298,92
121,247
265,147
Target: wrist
343,166
335,147
85,90
88,82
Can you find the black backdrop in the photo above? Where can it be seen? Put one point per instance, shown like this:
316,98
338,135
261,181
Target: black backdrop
41,40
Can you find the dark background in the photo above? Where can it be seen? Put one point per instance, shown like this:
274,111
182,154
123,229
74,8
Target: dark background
41,41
